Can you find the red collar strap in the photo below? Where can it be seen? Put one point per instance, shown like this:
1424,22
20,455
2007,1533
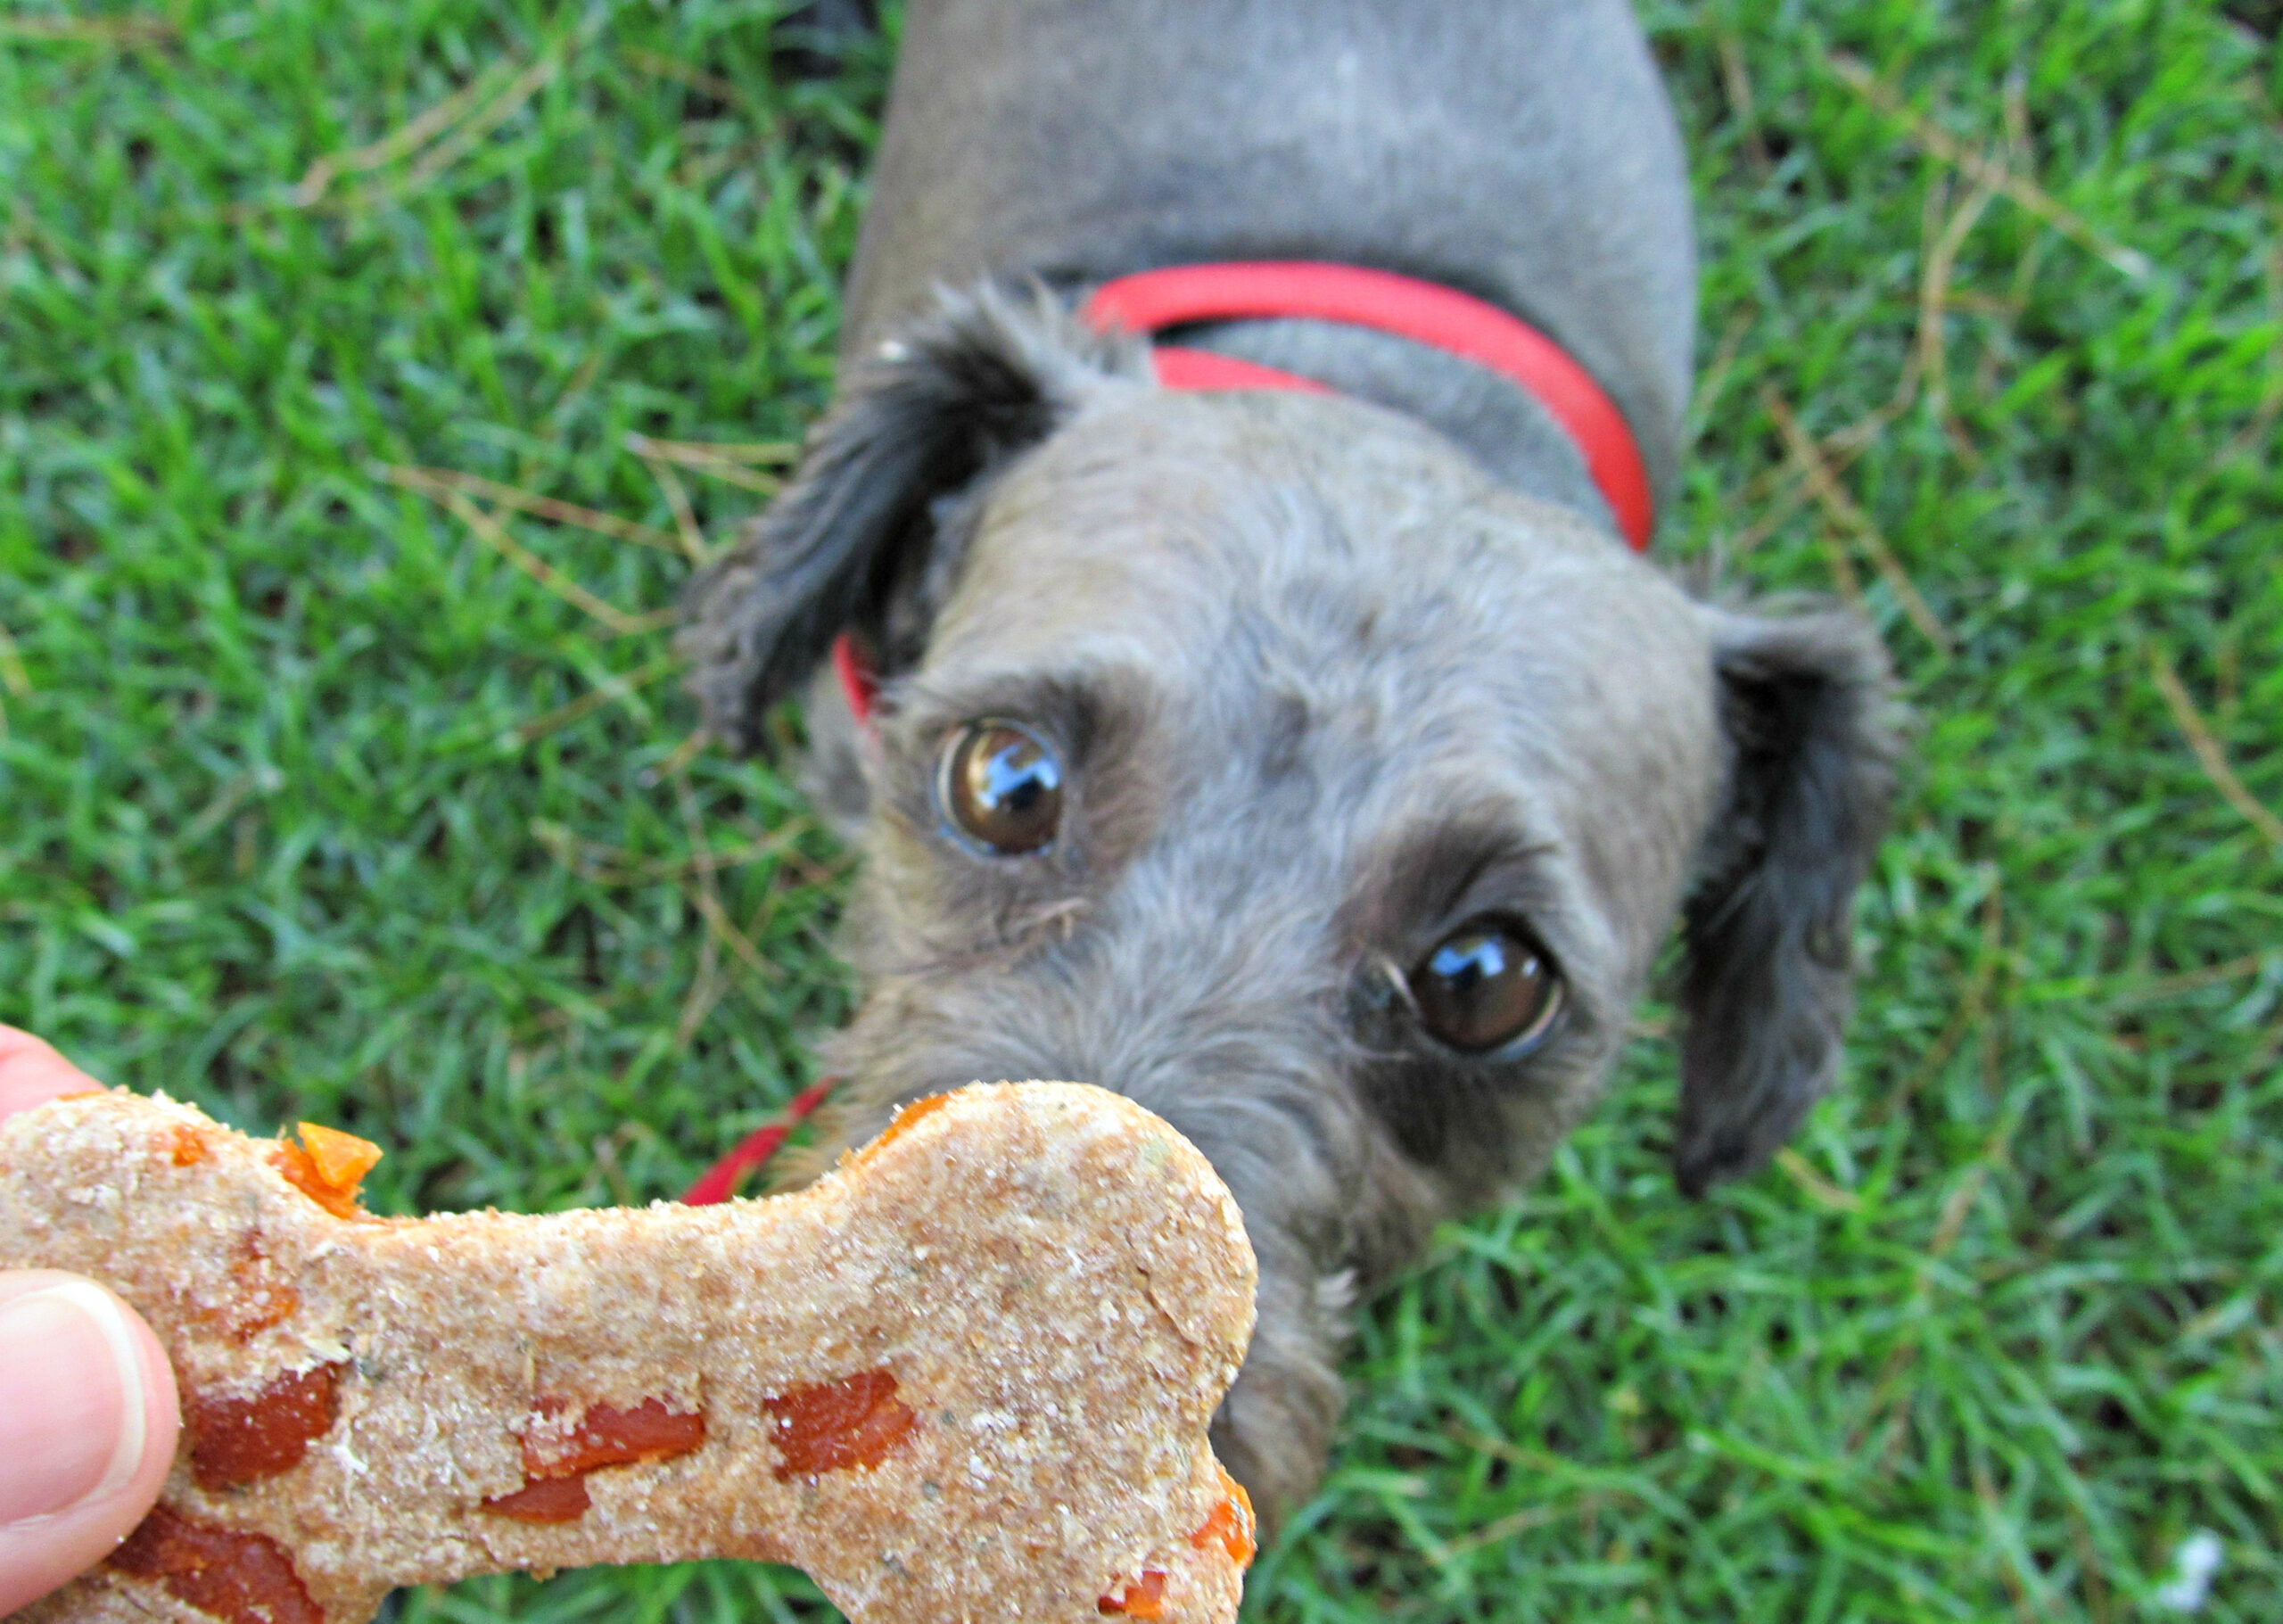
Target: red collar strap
860,684
1425,312
753,1152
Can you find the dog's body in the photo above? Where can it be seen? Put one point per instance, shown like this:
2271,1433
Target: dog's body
1329,682
1522,152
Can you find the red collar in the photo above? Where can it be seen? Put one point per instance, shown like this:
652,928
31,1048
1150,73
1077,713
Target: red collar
1425,312
721,1181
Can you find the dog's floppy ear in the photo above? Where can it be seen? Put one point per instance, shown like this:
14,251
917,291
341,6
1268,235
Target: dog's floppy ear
1806,704
925,415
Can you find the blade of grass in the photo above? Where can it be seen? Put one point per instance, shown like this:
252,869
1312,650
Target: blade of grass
1847,517
595,698
1852,72
462,140
91,31
693,540
2209,755
435,482
493,534
401,142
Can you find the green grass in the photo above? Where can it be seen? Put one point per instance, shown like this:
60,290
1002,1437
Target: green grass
293,819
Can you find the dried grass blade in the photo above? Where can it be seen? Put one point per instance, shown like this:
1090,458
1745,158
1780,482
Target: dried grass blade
1951,1220
454,146
707,460
718,920
434,482
661,66
707,893
706,453
1932,348
1816,1187
491,531
678,759
91,31
602,694
13,677
401,142
1841,509
2208,753
1852,72
693,538
2161,987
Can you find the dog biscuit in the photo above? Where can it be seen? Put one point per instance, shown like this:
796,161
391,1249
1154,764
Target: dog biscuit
966,1375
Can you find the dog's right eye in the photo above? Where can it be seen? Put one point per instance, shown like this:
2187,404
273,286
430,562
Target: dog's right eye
1000,787
1485,985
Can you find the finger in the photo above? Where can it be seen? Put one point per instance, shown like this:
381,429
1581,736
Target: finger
88,1428
32,1073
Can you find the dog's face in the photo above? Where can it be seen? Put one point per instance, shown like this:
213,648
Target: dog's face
1256,756
1261,753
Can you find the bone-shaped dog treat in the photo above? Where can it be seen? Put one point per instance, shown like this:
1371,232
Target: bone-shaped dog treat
966,1376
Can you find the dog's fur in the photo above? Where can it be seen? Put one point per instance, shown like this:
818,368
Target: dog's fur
1327,675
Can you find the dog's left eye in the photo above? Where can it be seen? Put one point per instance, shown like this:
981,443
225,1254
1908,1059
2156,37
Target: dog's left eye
1485,985
1002,788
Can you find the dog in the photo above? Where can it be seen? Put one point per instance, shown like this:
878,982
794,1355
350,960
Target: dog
1315,765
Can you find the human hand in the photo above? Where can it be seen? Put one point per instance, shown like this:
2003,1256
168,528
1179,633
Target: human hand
88,1418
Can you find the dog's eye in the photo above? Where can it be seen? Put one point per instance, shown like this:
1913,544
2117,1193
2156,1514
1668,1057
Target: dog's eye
1002,788
1484,986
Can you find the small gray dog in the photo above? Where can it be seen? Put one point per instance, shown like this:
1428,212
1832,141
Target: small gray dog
1320,771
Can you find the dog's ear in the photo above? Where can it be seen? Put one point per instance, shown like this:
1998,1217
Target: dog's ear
1806,703
926,416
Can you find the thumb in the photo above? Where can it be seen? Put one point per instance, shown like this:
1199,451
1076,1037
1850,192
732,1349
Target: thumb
88,1428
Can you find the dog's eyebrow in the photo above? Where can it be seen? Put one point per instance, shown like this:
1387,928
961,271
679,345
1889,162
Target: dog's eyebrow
1481,855
1073,704
1447,866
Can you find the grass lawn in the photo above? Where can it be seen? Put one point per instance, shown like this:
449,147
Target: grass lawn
332,787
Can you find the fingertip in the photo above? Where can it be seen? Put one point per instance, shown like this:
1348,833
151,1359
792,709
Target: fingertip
32,1073
99,1415
160,1408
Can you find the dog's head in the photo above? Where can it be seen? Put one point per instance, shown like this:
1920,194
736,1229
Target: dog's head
1258,756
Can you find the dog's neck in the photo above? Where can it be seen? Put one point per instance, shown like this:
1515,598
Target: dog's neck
1501,389
1499,424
